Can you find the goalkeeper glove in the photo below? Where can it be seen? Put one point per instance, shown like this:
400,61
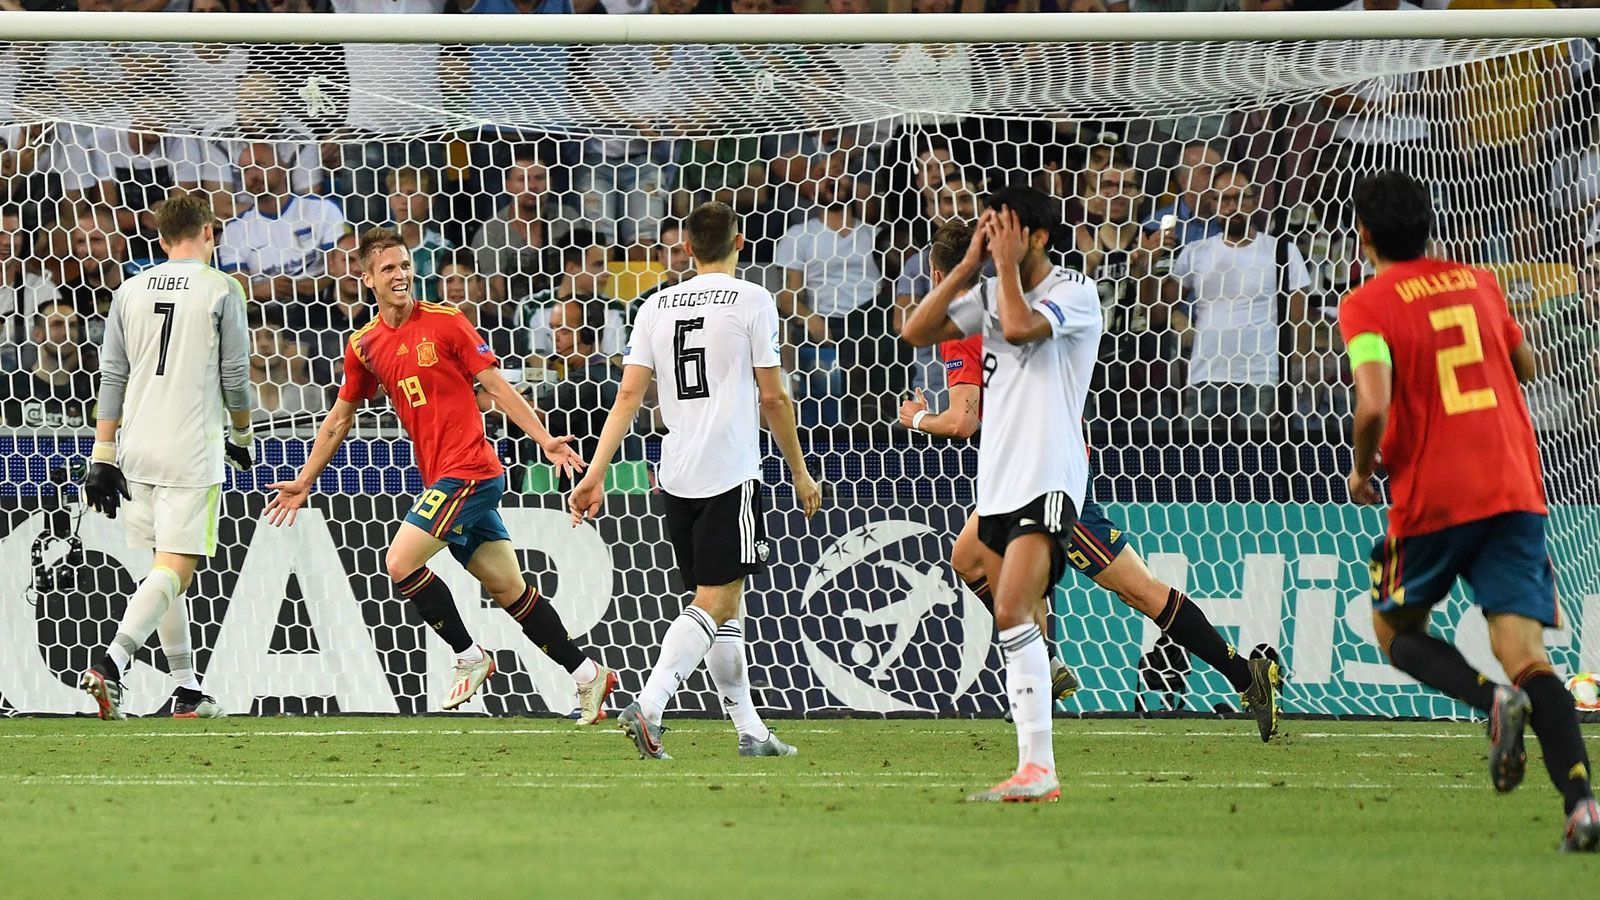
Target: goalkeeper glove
238,447
104,485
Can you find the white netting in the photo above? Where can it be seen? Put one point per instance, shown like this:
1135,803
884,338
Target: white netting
540,185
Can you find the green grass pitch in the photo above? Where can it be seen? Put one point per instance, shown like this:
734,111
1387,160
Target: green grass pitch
459,807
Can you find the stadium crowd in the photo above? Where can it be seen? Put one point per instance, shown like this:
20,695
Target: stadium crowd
1217,241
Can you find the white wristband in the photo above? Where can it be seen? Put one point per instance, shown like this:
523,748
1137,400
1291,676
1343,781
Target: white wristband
916,420
104,452
241,437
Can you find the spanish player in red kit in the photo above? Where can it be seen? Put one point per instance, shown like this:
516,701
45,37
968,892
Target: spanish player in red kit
427,357
1438,359
1100,549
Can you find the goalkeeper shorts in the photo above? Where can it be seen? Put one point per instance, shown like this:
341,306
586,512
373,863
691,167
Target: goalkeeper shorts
173,519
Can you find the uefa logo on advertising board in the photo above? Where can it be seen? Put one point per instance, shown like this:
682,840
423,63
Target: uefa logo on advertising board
886,628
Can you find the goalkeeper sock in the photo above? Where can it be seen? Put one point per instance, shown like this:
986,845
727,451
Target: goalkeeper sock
145,609
726,663
173,629
438,608
1439,665
687,641
1028,687
1186,623
542,624
1555,721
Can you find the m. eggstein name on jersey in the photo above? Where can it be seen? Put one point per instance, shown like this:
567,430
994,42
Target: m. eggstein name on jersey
700,298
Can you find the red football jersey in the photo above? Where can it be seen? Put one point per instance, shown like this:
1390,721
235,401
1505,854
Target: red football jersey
427,366
963,360
1459,445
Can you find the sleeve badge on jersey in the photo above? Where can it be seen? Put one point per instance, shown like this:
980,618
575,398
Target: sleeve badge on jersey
427,354
1054,310
950,365
483,348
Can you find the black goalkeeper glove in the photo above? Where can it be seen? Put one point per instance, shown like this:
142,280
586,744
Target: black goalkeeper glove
103,485
237,448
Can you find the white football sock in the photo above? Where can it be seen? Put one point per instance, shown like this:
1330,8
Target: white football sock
1028,688
586,672
145,609
726,663
173,630
687,640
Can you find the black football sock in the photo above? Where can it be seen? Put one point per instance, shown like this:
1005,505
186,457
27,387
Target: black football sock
1187,625
438,608
980,587
189,695
542,624
1439,665
1555,721
108,668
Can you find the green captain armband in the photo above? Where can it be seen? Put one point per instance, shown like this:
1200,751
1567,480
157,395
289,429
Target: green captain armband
1368,347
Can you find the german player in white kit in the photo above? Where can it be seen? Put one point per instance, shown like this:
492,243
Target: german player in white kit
1041,328
175,376
712,343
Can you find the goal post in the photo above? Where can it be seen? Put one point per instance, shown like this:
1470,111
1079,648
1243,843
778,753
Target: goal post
539,167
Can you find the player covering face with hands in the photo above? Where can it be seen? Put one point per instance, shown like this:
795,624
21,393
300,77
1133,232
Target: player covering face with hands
711,343
1099,549
429,359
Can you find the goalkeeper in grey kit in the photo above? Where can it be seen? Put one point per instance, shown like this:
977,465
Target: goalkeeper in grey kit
175,376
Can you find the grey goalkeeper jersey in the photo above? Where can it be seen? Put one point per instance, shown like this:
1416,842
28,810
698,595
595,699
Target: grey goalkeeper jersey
176,355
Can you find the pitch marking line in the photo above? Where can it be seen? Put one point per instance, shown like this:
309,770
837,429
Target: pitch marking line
1066,731
655,780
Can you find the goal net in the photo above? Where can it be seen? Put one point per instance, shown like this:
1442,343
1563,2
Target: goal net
540,186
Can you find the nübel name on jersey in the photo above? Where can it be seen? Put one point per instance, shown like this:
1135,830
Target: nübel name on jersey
167,283
701,298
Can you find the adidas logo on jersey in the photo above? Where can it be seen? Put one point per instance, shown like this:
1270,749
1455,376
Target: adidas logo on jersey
402,351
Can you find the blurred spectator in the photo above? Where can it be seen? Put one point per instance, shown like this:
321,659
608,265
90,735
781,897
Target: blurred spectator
324,324
376,69
209,159
1190,185
93,269
1245,288
955,201
671,256
411,214
281,375
584,278
56,389
461,285
589,377
831,283
23,292
1506,114
511,245
140,171
278,247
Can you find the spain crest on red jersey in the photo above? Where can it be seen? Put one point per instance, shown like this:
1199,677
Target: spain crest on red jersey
426,354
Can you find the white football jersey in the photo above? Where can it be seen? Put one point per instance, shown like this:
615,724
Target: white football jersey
176,354
704,338
1033,394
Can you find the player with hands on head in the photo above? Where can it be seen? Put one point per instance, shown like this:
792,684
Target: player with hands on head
1100,549
429,359
175,378
1439,364
712,343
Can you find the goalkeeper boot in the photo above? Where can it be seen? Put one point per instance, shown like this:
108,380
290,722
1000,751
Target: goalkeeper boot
469,676
772,746
1033,784
187,704
592,696
1583,829
645,736
1063,681
107,692
1508,717
1261,698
